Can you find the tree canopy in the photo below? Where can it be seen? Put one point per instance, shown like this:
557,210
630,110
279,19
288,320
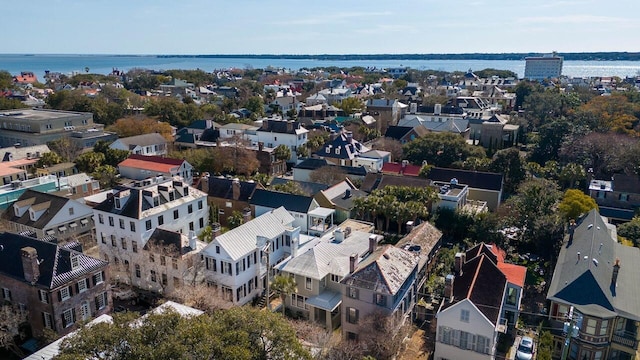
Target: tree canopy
239,333
574,203
440,149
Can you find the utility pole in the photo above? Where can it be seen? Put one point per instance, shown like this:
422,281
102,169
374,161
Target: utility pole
567,339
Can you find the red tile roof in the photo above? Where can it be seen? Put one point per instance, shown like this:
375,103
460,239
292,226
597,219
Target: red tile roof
396,168
515,273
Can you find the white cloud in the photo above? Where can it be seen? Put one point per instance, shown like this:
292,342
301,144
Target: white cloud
336,18
571,19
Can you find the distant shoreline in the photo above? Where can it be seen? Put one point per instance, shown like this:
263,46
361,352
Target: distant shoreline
571,56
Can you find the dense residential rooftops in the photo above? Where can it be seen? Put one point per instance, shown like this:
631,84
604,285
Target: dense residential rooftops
39,115
474,179
276,199
223,188
586,276
48,203
53,261
156,164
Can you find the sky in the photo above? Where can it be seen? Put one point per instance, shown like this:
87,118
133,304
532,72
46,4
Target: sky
317,27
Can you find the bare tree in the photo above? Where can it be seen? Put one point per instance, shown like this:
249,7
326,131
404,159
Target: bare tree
66,148
388,144
328,175
200,296
10,320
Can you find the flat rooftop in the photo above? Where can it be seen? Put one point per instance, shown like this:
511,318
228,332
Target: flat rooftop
38,115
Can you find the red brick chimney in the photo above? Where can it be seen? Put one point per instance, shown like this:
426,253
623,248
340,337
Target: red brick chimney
30,265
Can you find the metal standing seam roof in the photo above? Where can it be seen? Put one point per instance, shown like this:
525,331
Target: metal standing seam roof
240,241
328,257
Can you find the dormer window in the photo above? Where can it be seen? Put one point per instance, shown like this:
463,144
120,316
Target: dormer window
75,261
328,150
16,210
32,215
156,201
337,151
118,203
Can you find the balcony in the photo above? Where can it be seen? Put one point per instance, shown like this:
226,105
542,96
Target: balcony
625,339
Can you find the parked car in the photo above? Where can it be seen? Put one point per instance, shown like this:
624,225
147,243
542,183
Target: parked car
525,349
123,293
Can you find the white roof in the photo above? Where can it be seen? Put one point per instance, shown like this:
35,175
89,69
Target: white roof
328,256
240,241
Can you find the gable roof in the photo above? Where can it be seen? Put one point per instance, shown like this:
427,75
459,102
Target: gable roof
240,241
38,201
583,276
170,241
143,140
276,199
426,236
397,132
473,179
152,163
483,284
309,188
347,146
384,271
54,261
515,274
223,188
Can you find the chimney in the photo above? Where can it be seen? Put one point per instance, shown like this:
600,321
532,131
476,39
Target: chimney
373,243
437,109
260,146
339,235
614,275
353,262
235,184
459,262
192,239
349,136
216,229
572,228
347,193
448,287
30,265
294,247
409,226
246,215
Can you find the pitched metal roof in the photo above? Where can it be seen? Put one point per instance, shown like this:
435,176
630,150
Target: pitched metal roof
143,140
54,261
583,276
384,271
38,201
240,241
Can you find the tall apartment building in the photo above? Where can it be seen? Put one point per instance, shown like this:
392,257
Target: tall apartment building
543,67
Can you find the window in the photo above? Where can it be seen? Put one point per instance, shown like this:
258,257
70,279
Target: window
201,222
153,276
68,317
160,220
482,344
352,292
603,327
220,211
44,297
464,340
444,335
352,315
336,278
134,246
191,226
47,320
75,261
70,211
121,221
200,205
164,279
228,204
591,326
113,240
163,260
174,264
110,220
464,315
98,278
82,285
308,283
512,294
6,294
176,214
299,301
101,301
104,238
100,218
380,299
123,242
623,197
217,249
152,257
132,226
137,270
64,293
148,224
190,208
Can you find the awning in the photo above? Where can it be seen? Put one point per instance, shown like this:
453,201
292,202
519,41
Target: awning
328,300
62,228
84,221
72,225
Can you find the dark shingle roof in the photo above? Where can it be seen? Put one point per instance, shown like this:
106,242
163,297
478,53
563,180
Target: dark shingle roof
474,179
276,199
55,261
169,241
309,188
397,132
315,164
379,181
49,202
223,188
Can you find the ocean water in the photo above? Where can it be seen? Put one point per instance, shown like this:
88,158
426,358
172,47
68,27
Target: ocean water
104,64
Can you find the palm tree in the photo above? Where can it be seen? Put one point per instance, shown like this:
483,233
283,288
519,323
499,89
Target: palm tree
284,285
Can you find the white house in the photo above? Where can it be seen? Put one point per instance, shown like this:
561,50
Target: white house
140,167
147,144
127,219
236,261
276,132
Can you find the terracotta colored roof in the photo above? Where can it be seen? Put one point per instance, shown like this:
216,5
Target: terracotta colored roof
157,159
148,164
515,273
396,168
